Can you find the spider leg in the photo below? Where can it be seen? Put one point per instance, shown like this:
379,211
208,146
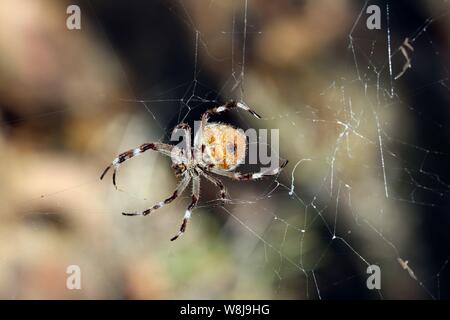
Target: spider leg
160,147
178,191
187,214
223,191
186,129
229,106
248,176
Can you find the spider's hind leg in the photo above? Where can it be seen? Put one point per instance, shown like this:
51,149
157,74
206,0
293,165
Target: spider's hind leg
178,191
124,156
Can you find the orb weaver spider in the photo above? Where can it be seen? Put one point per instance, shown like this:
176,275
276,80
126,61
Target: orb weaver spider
217,150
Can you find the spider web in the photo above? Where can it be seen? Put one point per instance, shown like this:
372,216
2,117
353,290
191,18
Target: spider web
375,190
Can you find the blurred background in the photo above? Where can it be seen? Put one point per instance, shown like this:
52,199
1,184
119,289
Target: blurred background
367,182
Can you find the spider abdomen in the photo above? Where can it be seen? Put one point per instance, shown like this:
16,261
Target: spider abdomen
225,146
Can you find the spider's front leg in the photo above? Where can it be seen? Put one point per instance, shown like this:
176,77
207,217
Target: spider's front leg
194,201
160,147
230,105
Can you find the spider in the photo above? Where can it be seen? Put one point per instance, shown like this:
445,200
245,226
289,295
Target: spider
218,149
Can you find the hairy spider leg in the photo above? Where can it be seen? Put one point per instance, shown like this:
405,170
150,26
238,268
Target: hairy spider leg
194,201
157,146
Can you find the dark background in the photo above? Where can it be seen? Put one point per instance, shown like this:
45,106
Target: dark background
71,100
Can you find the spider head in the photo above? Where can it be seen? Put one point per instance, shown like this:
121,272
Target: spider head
179,169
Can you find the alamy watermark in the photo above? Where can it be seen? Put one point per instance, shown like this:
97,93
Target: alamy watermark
73,281
374,20
73,21
374,280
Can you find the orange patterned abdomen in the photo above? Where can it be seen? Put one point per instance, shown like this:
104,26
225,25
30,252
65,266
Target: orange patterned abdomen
225,146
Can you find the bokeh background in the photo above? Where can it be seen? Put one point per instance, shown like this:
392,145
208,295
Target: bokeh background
70,101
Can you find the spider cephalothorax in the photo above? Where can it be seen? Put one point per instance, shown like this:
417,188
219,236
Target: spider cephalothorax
217,149
179,169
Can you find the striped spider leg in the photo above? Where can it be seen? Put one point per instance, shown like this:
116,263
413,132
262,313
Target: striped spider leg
222,190
194,200
163,148
234,175
178,191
